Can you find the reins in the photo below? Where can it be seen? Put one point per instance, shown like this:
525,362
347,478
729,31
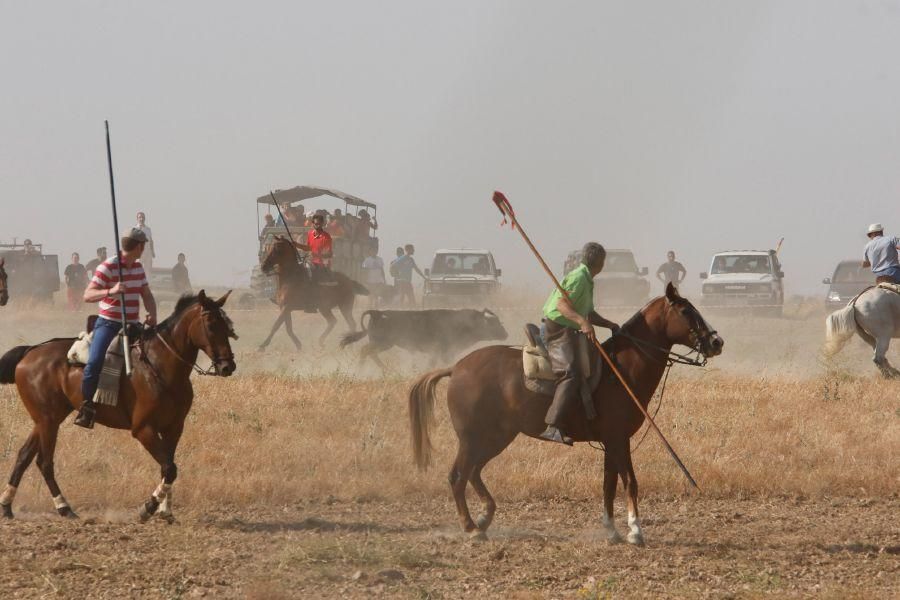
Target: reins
209,371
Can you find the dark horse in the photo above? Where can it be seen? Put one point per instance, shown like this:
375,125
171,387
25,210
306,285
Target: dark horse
153,403
294,286
489,405
4,288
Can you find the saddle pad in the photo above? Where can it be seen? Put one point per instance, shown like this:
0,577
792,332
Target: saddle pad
536,364
80,350
893,287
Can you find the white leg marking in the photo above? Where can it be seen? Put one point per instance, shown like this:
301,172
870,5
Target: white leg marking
162,490
612,534
635,536
60,502
8,494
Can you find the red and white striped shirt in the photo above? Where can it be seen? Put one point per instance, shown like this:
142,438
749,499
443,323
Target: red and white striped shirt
107,275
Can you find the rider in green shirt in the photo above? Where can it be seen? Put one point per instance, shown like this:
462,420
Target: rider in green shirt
564,320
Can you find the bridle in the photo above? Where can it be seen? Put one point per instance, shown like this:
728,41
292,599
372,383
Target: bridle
694,358
216,359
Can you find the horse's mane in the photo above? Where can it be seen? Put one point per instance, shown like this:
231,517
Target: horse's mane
185,302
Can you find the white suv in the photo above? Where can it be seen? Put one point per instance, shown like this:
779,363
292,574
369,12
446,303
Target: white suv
744,278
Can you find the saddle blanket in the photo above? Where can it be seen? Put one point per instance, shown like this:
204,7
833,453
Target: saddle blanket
113,366
892,287
539,377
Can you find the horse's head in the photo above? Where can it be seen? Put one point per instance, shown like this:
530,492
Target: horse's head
210,331
4,290
686,326
281,253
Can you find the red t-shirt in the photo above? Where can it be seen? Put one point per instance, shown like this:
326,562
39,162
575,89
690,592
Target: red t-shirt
319,244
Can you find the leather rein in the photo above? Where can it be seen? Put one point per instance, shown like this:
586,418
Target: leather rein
215,359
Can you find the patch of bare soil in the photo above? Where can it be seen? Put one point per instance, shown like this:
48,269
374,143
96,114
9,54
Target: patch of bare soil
791,547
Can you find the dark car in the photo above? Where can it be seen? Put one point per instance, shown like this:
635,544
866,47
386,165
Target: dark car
849,279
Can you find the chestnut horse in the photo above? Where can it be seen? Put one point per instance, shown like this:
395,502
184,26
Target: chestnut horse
153,403
294,286
490,405
4,288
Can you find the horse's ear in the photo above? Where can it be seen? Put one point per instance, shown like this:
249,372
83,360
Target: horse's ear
201,296
221,301
671,293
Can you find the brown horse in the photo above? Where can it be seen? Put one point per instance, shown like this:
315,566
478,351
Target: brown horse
4,288
153,403
490,405
294,286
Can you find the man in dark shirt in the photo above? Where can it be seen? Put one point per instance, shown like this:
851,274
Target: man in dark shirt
180,279
671,271
95,262
76,282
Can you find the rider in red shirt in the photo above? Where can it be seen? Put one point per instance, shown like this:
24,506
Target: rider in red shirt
319,245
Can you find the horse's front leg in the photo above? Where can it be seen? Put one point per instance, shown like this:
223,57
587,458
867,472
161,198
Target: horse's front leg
610,480
275,327
635,535
150,438
170,438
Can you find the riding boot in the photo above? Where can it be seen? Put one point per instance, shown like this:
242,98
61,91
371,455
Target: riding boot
86,415
553,434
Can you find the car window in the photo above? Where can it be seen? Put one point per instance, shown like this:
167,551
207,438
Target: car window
741,263
620,262
853,273
461,264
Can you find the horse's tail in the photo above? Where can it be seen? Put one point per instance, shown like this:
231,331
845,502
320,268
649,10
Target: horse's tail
840,326
421,414
359,289
9,361
355,336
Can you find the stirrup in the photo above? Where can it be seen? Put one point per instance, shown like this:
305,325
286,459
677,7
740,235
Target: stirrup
86,414
554,434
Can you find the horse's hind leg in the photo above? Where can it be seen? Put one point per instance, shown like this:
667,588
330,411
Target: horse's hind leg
329,318
459,477
880,358
490,506
23,460
347,313
48,432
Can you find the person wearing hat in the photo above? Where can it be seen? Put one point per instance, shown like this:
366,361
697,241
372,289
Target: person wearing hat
106,289
881,255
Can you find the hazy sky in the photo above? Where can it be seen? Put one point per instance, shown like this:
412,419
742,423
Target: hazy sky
698,126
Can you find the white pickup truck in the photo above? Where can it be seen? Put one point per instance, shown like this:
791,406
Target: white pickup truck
744,278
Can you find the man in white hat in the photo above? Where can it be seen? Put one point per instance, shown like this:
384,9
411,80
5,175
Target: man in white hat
881,255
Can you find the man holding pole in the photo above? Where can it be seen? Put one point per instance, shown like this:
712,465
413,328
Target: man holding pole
564,319
111,283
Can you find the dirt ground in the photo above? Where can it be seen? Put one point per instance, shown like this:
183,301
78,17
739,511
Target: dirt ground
696,547
342,513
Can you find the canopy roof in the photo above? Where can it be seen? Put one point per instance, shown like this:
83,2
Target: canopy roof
305,192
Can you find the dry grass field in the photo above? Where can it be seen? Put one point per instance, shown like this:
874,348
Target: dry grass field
295,480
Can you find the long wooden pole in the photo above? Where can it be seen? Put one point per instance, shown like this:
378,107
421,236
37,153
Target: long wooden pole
508,213
112,193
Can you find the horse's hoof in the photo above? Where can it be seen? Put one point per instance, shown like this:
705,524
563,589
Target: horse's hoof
483,522
614,538
477,536
66,512
7,511
261,349
636,539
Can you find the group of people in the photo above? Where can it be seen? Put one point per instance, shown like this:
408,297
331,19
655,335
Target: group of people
401,270
337,224
78,276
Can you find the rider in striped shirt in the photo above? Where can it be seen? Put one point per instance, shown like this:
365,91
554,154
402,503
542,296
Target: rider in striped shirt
106,289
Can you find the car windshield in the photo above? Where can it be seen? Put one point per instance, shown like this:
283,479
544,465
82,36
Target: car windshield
741,263
620,262
853,273
461,264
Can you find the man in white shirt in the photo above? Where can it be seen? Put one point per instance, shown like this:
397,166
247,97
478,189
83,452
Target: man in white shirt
373,276
881,255
150,250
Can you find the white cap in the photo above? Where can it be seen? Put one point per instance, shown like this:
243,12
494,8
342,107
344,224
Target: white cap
875,227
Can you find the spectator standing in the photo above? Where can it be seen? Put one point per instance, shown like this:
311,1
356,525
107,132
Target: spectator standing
180,278
365,225
95,262
373,276
76,281
671,271
404,265
150,249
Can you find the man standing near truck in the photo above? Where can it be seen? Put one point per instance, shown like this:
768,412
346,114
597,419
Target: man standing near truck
671,271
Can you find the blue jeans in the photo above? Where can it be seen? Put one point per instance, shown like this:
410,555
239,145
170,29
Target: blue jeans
890,272
105,332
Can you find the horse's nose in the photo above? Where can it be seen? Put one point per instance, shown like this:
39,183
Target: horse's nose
227,369
718,343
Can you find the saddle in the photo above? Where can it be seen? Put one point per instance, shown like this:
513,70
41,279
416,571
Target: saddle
538,372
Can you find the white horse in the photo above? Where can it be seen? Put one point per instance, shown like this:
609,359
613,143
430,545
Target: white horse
875,316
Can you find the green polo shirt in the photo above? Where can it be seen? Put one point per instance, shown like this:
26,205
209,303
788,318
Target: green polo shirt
580,286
